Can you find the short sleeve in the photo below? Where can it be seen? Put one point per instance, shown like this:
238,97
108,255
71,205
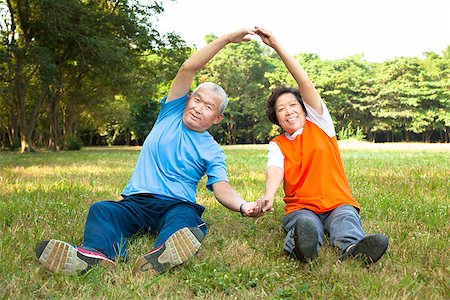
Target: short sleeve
275,157
172,107
216,170
323,121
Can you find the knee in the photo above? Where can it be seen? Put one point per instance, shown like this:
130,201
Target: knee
313,218
98,208
306,217
183,214
346,211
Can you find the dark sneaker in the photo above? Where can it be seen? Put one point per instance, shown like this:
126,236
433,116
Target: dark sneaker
306,240
59,256
370,249
178,248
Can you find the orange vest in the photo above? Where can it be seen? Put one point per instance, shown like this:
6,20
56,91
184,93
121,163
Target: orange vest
314,176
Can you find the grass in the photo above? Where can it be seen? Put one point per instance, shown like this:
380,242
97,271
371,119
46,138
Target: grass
404,192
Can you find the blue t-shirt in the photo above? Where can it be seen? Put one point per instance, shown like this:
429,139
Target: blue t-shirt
174,158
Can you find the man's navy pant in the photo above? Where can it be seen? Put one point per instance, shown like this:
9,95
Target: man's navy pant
109,224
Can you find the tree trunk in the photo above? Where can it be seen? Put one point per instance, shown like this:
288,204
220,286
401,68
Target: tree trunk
69,122
11,133
428,136
407,136
447,134
231,128
19,85
128,137
13,128
54,141
17,71
27,126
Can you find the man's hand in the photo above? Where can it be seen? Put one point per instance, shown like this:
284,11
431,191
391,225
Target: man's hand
258,208
242,35
251,209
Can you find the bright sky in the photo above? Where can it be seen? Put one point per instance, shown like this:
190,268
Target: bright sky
381,29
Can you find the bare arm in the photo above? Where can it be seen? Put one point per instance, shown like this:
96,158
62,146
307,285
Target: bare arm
274,177
306,87
185,76
229,198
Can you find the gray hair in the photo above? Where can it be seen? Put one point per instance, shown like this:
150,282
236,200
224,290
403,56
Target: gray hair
216,89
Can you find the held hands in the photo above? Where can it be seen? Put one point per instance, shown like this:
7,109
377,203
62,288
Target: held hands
244,35
265,203
258,208
250,209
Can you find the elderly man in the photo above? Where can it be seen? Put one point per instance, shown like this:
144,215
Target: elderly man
160,196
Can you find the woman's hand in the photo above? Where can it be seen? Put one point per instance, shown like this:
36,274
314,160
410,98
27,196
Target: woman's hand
267,36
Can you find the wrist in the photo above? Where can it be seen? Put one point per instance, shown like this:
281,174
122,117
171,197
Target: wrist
269,197
224,39
229,39
241,208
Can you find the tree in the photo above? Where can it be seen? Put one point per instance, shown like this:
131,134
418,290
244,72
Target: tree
437,86
50,44
348,89
412,99
151,81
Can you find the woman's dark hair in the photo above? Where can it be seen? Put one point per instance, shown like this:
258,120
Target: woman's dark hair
270,104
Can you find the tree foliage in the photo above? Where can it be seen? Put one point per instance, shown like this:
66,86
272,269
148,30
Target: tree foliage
240,70
73,56
97,70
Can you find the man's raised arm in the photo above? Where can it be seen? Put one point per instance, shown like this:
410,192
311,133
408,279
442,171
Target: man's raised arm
183,80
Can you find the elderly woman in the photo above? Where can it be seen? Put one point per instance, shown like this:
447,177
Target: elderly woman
306,157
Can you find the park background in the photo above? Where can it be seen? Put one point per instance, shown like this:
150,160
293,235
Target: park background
92,73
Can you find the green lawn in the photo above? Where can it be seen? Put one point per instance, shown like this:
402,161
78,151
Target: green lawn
404,193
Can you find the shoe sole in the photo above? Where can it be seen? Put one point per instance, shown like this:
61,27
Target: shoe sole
306,240
178,248
59,256
371,248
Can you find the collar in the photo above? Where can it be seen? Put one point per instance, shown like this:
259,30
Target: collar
294,135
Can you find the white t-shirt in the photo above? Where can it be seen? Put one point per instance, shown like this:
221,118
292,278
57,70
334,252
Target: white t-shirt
324,122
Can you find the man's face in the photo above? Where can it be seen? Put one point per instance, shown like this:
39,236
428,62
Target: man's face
202,110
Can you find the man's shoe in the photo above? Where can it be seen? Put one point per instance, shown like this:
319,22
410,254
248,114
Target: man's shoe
306,240
59,256
370,249
178,248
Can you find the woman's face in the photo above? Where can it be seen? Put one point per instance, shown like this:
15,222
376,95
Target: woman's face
289,112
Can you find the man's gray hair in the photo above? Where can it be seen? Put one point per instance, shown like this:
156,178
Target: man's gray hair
216,89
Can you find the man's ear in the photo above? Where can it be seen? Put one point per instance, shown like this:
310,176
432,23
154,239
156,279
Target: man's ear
218,119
